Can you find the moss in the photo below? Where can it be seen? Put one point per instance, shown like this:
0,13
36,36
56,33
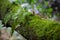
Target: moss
40,29
33,27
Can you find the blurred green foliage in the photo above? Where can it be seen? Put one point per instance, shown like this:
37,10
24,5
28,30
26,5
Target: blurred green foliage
40,29
4,5
32,26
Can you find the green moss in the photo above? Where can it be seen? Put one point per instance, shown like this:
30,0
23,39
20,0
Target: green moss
40,29
33,27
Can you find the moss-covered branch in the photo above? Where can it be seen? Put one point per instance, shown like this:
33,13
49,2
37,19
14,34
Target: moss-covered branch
40,29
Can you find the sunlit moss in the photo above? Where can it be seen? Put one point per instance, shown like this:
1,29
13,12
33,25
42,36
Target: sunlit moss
40,29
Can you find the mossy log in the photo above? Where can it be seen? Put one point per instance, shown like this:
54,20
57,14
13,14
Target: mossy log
33,27
36,28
